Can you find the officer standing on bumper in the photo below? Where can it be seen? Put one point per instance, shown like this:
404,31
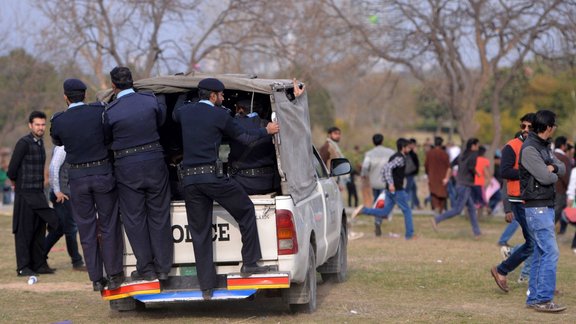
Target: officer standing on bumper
203,125
132,122
92,185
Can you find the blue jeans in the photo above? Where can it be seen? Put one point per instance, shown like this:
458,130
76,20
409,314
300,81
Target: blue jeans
508,231
399,197
66,227
494,200
524,251
412,191
376,212
525,272
545,258
452,195
464,198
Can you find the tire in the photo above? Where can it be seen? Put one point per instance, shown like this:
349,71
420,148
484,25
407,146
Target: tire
127,304
339,261
310,285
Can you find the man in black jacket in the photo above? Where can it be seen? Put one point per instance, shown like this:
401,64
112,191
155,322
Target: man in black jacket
412,167
539,170
393,174
31,210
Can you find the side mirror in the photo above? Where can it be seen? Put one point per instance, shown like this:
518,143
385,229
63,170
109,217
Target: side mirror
339,166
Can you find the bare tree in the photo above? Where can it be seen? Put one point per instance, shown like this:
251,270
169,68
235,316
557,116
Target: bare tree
150,36
469,41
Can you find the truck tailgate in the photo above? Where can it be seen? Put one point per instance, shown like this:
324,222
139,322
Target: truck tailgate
227,239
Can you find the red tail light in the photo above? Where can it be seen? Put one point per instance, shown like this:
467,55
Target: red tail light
286,232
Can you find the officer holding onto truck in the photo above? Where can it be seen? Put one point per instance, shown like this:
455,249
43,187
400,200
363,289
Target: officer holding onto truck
93,191
132,122
253,166
204,181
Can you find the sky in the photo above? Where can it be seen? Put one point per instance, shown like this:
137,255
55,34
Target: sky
18,22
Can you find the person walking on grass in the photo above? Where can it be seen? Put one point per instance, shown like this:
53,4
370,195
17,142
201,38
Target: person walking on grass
514,210
464,182
539,171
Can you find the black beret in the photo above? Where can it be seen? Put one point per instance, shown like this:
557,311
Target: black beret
73,86
211,84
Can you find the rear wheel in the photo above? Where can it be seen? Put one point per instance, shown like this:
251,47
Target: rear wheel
339,262
309,286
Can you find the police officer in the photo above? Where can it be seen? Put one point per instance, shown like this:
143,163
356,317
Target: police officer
132,122
204,181
92,185
253,165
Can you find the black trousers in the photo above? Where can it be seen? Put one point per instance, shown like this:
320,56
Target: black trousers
199,202
95,209
31,213
144,196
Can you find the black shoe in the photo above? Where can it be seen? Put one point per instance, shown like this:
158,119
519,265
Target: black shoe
248,270
377,230
115,281
100,284
45,269
79,268
137,276
25,272
162,276
207,293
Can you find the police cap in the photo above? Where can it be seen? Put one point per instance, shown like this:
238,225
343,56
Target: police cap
72,86
211,84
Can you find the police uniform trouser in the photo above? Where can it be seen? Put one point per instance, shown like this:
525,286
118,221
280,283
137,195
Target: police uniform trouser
144,196
199,202
100,234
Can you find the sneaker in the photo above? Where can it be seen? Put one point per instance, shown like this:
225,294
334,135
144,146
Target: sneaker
523,280
354,235
574,251
377,230
548,307
505,251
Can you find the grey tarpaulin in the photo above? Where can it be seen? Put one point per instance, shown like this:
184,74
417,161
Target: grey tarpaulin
296,145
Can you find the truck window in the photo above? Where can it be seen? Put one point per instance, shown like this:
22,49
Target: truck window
319,166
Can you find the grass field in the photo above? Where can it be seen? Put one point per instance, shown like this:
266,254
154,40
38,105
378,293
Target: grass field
437,278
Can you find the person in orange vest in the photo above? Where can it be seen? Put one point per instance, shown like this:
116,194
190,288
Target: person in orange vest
514,206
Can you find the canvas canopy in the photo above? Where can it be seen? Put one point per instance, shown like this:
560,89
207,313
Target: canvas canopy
295,143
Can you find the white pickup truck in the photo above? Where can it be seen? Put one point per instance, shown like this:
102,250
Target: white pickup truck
302,228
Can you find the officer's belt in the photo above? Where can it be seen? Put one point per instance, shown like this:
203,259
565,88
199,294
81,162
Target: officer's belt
88,164
253,172
201,169
136,149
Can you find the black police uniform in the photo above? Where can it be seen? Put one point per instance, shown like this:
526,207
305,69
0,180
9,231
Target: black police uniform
93,191
132,122
205,126
253,165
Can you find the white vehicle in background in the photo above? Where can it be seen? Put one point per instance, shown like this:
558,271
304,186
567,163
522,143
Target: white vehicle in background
302,229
